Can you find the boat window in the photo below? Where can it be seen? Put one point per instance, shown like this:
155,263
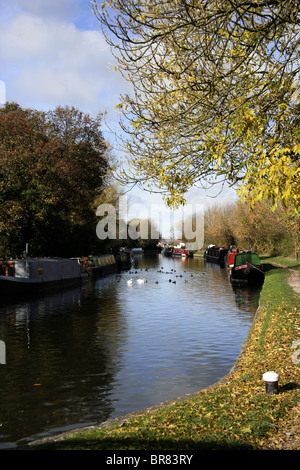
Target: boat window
7,269
40,271
11,270
243,258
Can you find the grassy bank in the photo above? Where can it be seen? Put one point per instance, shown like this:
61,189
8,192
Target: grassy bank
237,414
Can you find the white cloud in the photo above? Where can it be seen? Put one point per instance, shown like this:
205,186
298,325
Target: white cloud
48,62
52,53
2,92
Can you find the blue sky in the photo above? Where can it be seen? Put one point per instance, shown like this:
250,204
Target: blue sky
52,53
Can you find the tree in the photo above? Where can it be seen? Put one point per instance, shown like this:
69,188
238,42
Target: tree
220,222
214,94
269,232
53,166
272,232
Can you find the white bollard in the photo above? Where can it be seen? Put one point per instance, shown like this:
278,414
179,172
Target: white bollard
271,380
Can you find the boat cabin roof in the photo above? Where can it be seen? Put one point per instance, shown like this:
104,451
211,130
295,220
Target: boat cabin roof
247,257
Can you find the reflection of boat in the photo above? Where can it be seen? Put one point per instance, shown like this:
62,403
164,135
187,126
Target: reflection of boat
123,260
215,254
246,269
21,275
247,297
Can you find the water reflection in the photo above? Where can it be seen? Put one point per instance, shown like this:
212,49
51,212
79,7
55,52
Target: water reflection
81,356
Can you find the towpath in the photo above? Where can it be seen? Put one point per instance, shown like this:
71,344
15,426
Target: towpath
294,280
288,438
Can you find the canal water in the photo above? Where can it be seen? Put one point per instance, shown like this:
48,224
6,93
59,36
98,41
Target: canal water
124,342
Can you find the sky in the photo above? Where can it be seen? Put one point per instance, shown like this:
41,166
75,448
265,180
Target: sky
52,53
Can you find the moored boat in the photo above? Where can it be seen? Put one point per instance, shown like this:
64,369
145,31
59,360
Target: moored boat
215,254
229,258
99,265
137,251
22,275
167,251
181,250
246,269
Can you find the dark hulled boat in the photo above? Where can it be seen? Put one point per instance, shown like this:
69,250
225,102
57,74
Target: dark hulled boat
215,254
99,265
34,274
245,268
167,251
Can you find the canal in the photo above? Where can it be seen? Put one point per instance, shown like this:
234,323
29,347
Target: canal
117,344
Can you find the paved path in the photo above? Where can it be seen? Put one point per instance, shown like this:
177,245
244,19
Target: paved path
294,280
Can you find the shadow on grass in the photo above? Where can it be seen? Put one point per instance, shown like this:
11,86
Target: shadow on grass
268,267
274,266
114,444
289,386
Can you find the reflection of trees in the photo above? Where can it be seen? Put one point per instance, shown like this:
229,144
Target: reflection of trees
61,362
71,344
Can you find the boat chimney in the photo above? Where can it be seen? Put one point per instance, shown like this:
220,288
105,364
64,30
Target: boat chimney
25,253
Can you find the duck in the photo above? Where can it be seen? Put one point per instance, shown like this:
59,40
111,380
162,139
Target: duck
130,282
141,281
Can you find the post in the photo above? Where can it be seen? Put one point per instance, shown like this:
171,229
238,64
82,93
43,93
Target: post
271,380
2,353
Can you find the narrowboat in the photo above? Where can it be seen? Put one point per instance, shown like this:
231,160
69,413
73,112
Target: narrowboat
99,265
181,250
22,275
137,251
246,269
167,251
229,258
215,254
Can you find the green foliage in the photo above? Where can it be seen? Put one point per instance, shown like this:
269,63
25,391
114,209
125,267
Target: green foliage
270,232
53,166
215,94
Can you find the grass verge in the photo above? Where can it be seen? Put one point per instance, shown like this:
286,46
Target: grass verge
237,414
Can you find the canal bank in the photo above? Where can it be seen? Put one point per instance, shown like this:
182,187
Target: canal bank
118,345
236,412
